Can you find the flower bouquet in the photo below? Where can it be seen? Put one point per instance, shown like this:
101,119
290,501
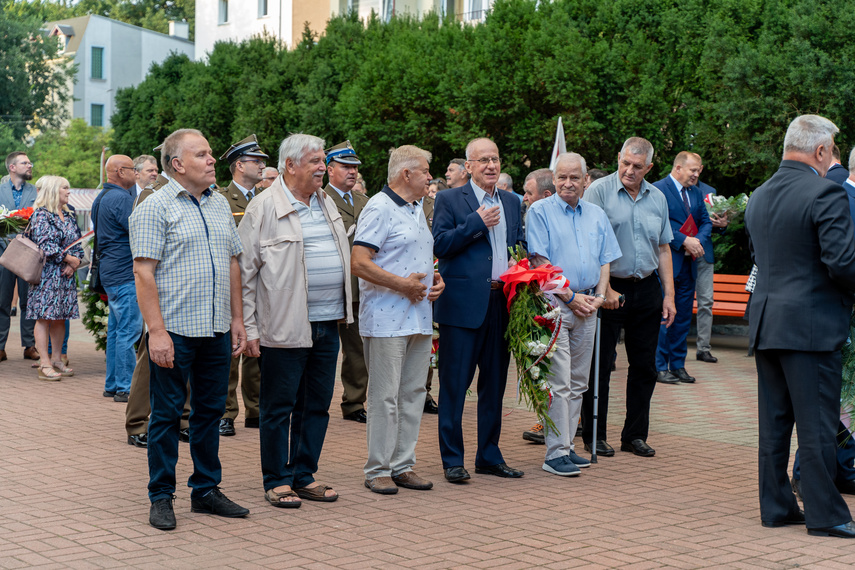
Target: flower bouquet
847,389
13,221
730,207
533,329
96,315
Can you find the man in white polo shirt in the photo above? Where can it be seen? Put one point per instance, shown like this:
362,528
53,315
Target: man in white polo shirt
393,258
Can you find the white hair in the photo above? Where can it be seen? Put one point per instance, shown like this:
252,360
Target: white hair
638,146
406,156
807,132
572,157
296,146
472,143
852,161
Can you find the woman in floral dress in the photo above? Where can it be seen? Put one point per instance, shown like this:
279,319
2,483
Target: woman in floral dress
51,302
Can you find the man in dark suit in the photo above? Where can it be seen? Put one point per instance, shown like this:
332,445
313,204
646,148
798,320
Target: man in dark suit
801,238
473,227
837,171
342,169
684,200
16,193
246,164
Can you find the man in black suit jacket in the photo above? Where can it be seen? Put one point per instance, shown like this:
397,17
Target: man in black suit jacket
473,227
837,171
801,237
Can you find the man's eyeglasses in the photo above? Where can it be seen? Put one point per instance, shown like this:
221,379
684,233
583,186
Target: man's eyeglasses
487,160
256,160
26,164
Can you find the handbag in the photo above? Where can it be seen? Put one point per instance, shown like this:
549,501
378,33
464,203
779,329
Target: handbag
25,259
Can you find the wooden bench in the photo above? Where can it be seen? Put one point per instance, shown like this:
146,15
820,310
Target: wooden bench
729,295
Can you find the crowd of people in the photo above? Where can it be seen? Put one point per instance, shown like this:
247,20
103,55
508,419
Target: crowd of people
261,283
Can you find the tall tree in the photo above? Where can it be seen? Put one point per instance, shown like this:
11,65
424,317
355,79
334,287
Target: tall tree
73,152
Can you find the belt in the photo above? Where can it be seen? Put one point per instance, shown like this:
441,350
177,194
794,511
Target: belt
496,285
633,279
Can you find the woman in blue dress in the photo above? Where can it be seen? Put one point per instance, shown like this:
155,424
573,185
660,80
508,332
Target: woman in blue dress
53,228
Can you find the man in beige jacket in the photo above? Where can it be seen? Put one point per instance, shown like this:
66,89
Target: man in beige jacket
295,270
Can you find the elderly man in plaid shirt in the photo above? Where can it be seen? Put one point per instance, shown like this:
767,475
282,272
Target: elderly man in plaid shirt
185,248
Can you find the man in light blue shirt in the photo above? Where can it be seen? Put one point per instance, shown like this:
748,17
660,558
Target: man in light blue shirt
576,236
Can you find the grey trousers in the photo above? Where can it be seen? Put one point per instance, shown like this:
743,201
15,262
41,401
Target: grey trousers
704,294
568,379
7,291
396,400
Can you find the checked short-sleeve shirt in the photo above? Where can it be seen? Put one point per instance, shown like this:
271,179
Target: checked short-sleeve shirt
193,243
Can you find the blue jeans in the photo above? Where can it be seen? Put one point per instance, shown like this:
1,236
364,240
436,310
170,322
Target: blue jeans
203,362
124,327
296,390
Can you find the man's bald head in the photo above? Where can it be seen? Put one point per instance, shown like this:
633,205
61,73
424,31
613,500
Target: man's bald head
120,171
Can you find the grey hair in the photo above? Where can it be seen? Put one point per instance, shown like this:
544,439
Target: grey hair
296,146
807,132
405,156
471,143
172,148
638,146
505,178
140,161
852,161
542,180
572,157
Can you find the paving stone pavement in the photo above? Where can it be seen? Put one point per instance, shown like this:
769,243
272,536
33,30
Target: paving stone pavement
73,493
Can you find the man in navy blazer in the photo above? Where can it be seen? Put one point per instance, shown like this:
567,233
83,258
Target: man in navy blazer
16,193
684,199
837,171
473,227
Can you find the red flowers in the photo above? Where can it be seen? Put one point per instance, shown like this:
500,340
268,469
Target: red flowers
24,213
545,323
104,298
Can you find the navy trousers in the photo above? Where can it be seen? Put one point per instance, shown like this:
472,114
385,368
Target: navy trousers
203,362
671,350
845,457
460,350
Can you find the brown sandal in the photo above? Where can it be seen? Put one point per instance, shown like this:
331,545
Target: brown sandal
275,499
63,369
49,374
316,494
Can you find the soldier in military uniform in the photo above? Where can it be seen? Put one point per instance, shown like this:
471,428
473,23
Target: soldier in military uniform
342,168
139,402
246,163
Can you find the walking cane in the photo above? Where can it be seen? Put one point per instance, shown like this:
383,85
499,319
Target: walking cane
596,387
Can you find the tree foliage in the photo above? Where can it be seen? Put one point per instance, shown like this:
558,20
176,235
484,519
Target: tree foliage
720,77
33,83
74,153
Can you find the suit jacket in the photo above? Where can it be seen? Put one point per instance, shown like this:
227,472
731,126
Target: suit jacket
28,198
461,242
677,216
838,173
349,215
800,234
237,201
151,189
427,208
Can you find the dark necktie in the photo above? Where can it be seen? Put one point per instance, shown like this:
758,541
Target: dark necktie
249,196
347,199
685,194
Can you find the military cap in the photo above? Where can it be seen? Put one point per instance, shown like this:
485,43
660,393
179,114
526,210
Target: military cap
246,147
157,148
343,153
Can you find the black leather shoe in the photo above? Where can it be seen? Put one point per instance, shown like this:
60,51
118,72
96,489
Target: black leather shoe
603,448
120,397
638,447
109,394
795,518
705,356
456,474
215,503
357,416
499,470
251,423
666,377
683,376
227,427
846,530
845,487
161,516
184,435
431,407
139,440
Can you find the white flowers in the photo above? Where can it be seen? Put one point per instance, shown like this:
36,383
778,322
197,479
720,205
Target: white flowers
535,372
553,315
536,348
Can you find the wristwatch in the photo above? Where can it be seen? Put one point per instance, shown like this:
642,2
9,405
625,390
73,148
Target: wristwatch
601,296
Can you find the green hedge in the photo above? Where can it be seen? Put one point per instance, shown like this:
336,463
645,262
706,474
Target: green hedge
720,77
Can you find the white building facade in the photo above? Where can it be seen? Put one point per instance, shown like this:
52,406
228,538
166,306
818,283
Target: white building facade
111,55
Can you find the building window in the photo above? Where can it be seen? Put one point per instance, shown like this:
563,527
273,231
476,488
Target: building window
97,118
262,8
224,12
97,63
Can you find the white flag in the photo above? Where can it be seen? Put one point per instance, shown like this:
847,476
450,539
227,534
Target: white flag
560,145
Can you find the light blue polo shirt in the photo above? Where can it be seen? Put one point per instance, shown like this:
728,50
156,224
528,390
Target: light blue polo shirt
397,231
